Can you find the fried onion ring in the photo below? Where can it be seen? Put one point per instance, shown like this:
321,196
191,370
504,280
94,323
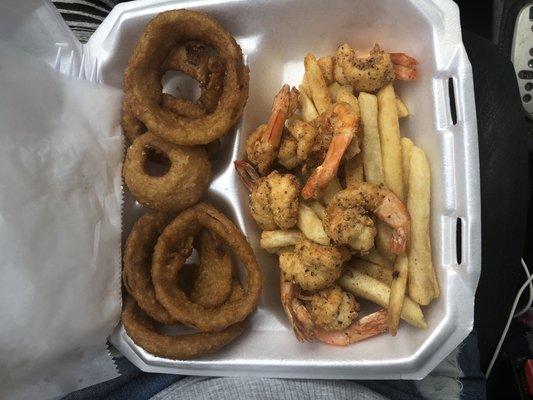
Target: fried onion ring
166,262
142,79
195,61
212,285
180,187
208,284
142,330
137,257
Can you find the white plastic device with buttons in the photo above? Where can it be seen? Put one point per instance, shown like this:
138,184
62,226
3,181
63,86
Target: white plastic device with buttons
522,56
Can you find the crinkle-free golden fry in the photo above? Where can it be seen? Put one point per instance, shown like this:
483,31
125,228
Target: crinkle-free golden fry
372,161
309,112
397,293
391,152
378,292
318,208
278,239
345,94
389,133
379,272
376,257
403,111
334,90
326,66
316,84
311,225
407,148
423,284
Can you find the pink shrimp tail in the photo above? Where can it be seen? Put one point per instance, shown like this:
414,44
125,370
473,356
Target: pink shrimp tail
403,59
403,73
247,173
276,122
367,327
313,187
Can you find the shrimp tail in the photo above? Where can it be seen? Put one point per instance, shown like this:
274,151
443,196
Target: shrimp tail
247,173
404,73
367,327
276,122
403,59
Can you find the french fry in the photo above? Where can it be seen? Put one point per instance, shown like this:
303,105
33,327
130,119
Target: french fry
372,162
376,257
309,112
333,90
345,93
389,133
353,170
311,225
378,292
423,284
333,187
280,238
397,293
318,89
304,86
382,274
318,208
403,111
280,250
326,66
407,147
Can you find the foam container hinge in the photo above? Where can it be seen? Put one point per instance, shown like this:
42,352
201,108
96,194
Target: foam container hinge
275,37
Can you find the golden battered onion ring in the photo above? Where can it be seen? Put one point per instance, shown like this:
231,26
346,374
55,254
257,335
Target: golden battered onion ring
187,276
142,78
166,262
179,188
195,61
137,257
208,284
212,285
142,330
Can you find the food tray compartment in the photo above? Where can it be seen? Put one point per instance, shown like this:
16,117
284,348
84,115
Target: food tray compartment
275,35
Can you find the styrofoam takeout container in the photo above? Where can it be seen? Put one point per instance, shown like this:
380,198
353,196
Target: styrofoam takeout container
275,35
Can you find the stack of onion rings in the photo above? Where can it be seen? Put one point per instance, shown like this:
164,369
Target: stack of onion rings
216,305
175,131
166,263
180,40
194,60
142,81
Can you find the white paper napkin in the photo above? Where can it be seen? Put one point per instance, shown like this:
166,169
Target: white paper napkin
60,227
